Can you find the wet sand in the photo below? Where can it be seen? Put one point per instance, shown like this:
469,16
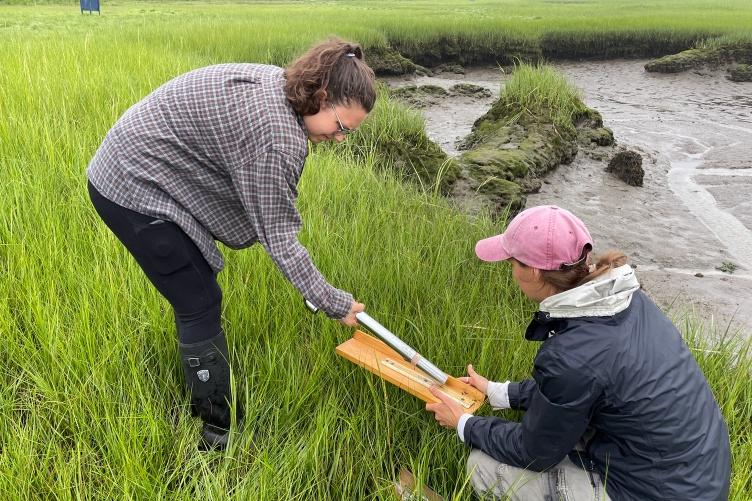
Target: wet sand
694,212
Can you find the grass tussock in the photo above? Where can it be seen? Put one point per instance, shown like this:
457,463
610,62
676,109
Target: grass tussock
540,93
394,138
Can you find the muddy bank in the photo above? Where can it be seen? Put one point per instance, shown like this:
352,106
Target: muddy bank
725,56
740,73
693,213
626,44
454,49
403,57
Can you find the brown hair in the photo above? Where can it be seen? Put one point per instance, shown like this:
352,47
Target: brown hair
583,271
333,70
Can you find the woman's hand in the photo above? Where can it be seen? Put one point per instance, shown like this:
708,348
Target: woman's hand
475,379
350,319
448,412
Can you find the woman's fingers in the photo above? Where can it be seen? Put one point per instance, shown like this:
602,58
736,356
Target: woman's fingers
350,319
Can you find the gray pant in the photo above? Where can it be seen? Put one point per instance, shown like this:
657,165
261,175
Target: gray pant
564,482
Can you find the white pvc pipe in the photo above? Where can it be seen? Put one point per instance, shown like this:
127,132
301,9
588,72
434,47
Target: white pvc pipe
396,343
401,347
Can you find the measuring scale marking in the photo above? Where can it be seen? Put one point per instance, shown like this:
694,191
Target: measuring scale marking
427,382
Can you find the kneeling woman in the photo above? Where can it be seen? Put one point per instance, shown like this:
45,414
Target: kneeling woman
617,407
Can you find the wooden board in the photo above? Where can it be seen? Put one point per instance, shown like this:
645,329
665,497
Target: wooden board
407,489
379,358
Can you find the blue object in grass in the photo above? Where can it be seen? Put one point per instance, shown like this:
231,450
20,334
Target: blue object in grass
90,6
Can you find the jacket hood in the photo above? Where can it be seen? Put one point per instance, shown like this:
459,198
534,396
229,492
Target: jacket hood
605,296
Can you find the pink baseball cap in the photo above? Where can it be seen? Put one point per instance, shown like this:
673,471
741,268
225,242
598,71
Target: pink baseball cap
546,237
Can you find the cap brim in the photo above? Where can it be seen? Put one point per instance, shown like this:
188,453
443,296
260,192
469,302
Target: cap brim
492,249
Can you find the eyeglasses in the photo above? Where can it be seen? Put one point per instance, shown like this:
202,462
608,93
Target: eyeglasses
342,129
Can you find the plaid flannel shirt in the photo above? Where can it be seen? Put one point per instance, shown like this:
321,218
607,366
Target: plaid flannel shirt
219,152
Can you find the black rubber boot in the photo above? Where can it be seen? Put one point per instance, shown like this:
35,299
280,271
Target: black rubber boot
207,374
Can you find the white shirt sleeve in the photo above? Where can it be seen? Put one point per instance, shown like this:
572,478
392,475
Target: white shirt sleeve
461,425
498,395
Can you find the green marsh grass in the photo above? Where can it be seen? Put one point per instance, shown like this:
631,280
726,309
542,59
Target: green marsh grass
395,138
539,91
422,30
91,401
726,40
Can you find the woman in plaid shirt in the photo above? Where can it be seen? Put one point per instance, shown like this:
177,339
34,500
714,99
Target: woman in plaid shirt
216,154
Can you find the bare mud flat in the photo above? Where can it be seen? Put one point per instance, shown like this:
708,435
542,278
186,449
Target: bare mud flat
694,213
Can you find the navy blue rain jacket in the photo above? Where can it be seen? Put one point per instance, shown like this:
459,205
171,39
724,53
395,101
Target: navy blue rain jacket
629,381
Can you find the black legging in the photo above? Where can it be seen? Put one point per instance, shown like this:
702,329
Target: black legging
173,263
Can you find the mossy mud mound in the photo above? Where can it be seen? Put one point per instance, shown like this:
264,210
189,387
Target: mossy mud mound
509,153
457,69
627,166
470,90
419,96
740,73
388,61
709,55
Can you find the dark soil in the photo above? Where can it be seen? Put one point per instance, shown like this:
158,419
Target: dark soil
457,50
615,45
627,166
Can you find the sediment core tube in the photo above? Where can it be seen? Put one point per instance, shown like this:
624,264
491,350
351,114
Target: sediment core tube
401,347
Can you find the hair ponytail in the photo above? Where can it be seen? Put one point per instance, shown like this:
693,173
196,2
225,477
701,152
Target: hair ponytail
333,71
584,272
